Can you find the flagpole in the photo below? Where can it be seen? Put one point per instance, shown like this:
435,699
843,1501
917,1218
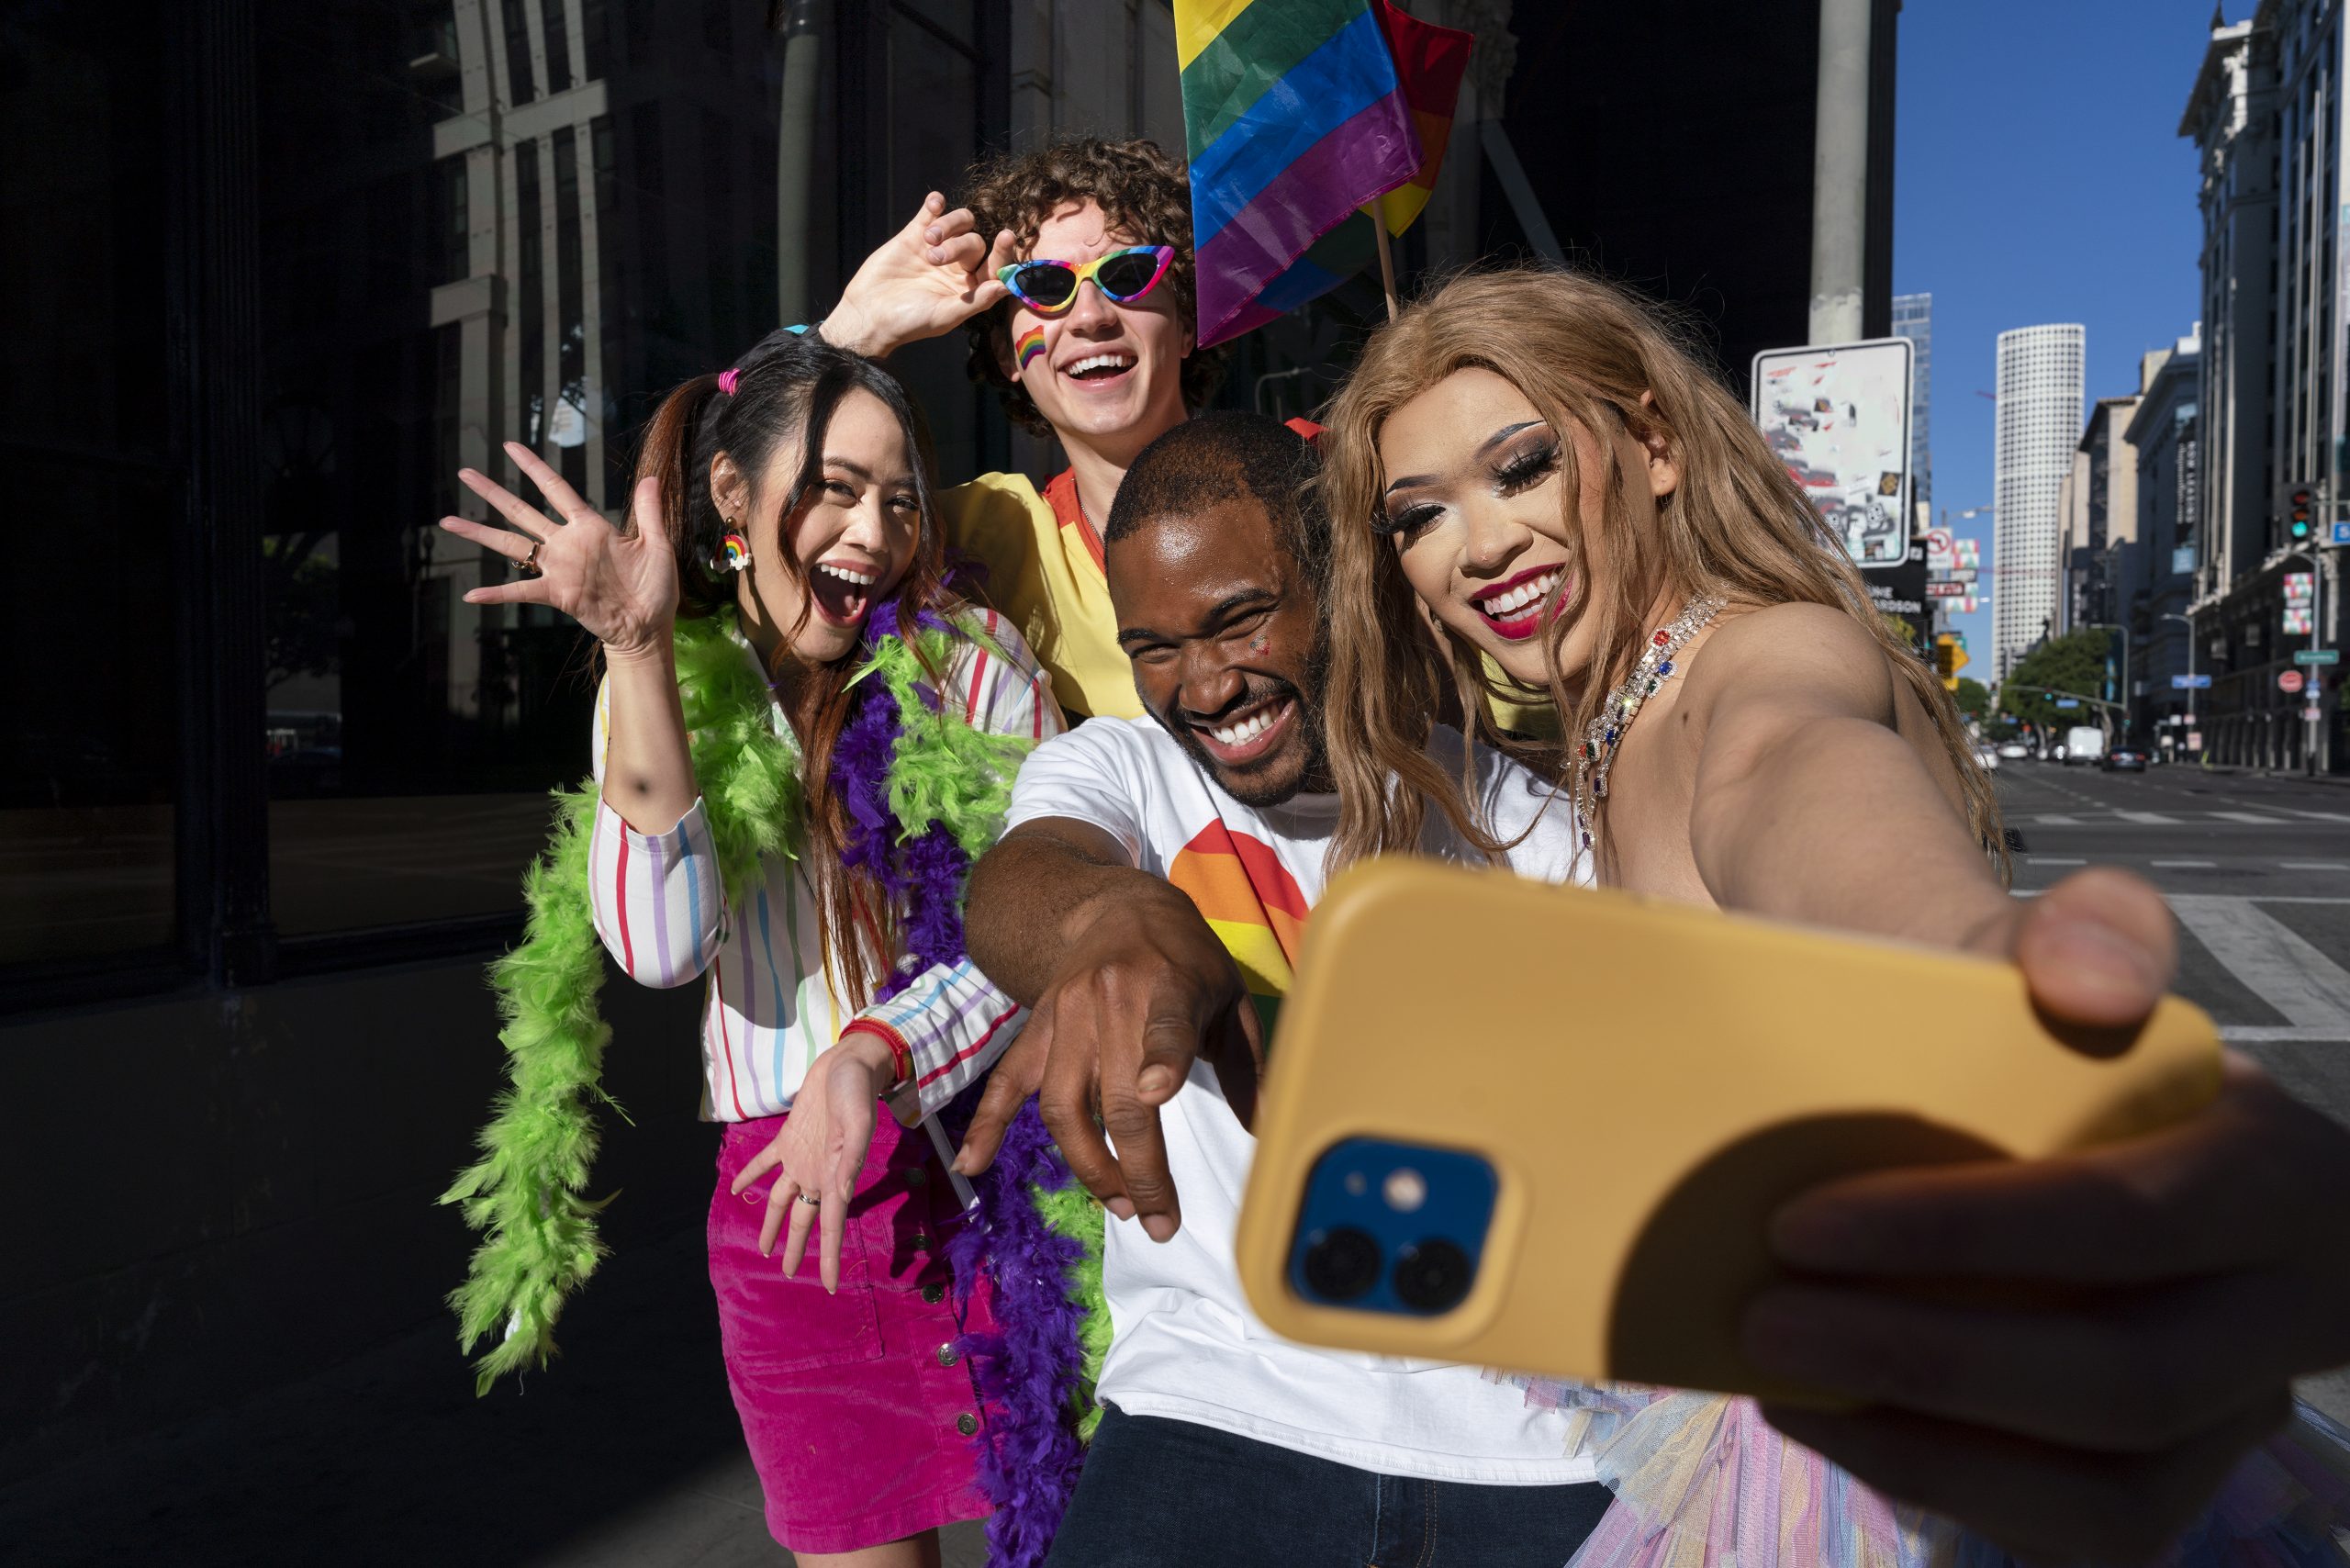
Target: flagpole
1386,257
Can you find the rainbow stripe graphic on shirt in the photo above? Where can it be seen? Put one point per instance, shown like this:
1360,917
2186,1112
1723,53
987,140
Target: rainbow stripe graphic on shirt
1251,903
1031,344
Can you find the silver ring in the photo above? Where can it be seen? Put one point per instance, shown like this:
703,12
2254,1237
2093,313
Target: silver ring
811,1202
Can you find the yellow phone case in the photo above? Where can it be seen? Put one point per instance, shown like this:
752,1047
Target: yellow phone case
1651,1081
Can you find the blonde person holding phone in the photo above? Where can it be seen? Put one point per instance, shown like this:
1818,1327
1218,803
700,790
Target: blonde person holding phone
1537,462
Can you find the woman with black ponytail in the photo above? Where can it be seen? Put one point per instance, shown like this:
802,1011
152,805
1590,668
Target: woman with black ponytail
802,739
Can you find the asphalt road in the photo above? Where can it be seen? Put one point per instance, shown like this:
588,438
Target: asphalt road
2257,869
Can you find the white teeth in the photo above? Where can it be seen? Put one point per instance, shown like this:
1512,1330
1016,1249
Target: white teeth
1501,606
1248,729
862,579
1099,361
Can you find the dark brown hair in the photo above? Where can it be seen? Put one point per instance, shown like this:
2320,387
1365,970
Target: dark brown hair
785,389
1143,193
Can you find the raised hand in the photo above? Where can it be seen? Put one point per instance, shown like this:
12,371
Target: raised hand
927,279
621,586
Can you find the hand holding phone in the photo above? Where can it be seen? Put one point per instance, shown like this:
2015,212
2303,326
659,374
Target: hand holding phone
1642,1087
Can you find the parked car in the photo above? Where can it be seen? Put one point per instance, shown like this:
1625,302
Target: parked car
2124,759
2015,751
1988,756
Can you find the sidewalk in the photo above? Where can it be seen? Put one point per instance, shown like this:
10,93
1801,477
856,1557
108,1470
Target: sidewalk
624,1452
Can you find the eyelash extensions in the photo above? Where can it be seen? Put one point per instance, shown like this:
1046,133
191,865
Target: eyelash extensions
1521,472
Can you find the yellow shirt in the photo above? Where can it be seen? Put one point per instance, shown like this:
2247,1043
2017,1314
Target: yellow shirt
1042,575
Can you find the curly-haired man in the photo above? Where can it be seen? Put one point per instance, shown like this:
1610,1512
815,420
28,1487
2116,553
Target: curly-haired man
1099,352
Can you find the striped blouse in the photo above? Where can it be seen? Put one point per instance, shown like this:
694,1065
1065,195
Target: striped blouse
775,1000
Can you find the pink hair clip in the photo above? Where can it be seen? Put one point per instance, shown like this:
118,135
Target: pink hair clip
728,380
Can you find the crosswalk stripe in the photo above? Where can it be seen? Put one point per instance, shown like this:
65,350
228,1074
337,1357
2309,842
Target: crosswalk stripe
2253,817
2046,820
2150,818
2315,865
2320,816
2269,1033
2271,961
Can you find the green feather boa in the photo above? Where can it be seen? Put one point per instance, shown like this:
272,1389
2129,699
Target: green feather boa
526,1194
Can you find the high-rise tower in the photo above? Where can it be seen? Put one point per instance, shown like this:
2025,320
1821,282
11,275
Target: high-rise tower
2039,424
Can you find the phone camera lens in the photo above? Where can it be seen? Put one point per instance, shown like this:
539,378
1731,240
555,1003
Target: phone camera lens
1432,1275
1342,1263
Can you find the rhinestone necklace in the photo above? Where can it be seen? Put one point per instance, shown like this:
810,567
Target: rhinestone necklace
1605,732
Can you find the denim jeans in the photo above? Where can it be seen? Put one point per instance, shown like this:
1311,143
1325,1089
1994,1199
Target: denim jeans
1161,1494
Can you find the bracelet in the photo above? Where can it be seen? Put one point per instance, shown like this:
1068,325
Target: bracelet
901,1056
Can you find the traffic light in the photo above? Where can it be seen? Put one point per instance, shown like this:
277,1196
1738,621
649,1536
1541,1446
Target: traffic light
1949,659
2298,520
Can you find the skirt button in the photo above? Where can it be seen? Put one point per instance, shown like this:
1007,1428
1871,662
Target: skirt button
934,1293
967,1423
949,1355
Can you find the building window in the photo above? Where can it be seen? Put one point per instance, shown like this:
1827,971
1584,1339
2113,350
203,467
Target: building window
518,51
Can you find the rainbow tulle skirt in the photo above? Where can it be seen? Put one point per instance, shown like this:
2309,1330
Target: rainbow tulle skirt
1704,1482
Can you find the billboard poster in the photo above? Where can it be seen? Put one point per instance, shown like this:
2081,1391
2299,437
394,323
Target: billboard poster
1838,416
2300,595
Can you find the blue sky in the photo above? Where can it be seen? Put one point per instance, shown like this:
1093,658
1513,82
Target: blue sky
2039,176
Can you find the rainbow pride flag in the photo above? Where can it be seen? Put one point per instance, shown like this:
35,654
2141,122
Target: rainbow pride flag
1429,61
1295,115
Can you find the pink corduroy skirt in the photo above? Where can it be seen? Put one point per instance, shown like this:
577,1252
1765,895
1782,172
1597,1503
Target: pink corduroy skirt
859,1412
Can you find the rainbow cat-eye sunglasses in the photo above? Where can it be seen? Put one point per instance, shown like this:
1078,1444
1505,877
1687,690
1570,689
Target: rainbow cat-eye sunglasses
1124,275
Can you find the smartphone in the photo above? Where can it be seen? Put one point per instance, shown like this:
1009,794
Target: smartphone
1543,1128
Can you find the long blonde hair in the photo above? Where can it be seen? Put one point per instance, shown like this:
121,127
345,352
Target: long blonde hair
1583,352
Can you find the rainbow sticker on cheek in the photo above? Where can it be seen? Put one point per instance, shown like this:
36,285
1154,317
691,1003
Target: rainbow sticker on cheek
1031,344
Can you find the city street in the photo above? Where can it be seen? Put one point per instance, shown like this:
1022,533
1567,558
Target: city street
2258,870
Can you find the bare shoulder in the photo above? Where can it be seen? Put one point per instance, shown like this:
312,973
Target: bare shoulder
1792,656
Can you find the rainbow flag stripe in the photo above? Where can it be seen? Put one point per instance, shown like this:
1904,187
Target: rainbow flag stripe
1294,117
1430,62
1031,344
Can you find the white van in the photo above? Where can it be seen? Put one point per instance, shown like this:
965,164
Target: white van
2083,743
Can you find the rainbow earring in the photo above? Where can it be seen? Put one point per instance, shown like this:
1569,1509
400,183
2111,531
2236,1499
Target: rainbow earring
734,554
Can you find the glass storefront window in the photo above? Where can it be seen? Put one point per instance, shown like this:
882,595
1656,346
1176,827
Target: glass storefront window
474,222
86,621
586,219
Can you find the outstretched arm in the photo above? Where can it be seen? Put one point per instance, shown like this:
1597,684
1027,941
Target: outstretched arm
2070,1354
1126,985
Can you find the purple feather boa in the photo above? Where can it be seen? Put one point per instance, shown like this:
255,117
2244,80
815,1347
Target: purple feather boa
1025,1374
1026,1371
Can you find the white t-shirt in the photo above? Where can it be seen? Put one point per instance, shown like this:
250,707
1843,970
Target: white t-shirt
1184,1343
